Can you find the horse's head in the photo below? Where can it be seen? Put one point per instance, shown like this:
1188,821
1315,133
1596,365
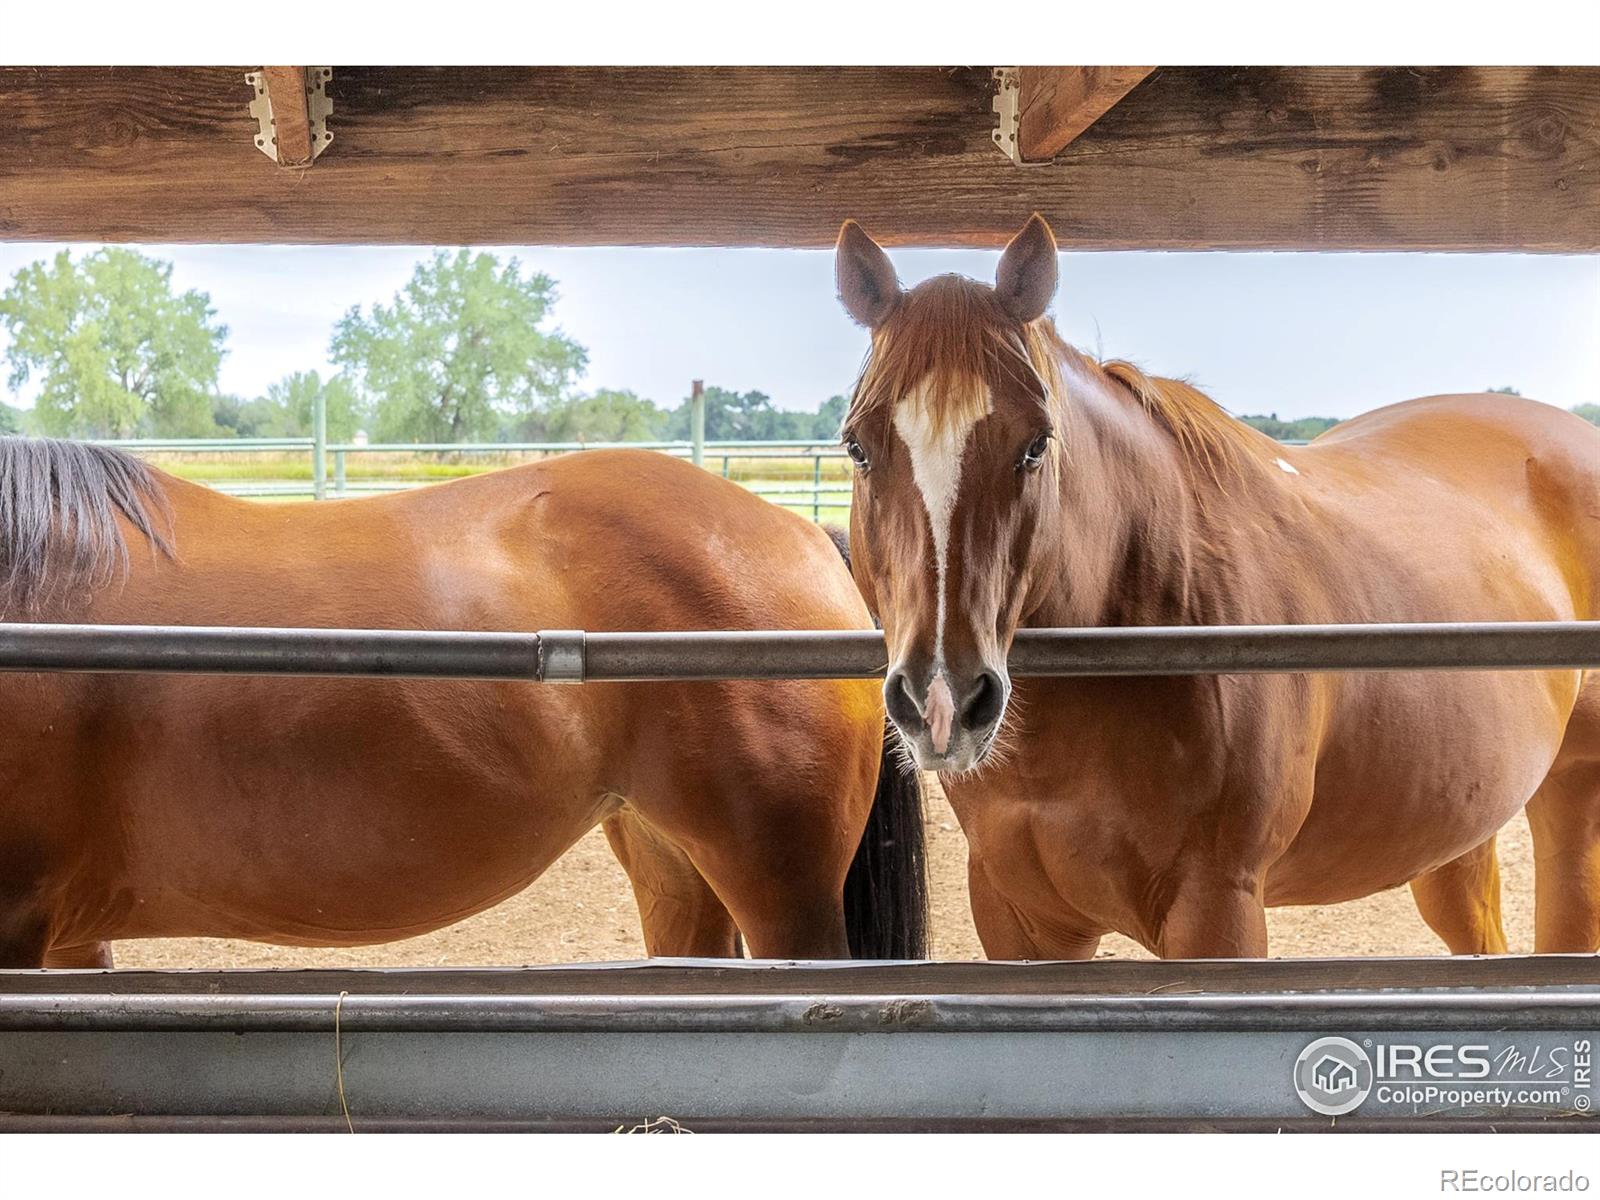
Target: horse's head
953,431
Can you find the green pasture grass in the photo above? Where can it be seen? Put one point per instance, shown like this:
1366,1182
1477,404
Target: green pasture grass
780,470
250,468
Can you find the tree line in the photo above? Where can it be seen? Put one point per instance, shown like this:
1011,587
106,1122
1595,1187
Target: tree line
466,351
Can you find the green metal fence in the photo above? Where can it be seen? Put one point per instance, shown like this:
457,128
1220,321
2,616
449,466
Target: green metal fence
331,477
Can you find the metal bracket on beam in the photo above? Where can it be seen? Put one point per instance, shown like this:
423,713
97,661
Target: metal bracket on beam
319,105
1007,105
562,656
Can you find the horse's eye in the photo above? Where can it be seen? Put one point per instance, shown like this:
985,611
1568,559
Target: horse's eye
1033,456
857,455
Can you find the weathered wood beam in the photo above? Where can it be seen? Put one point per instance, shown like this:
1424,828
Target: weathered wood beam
291,117
1059,103
1319,158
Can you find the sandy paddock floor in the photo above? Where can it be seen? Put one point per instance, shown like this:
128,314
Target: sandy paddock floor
582,910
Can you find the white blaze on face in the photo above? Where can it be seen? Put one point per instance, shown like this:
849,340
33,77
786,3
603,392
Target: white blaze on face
936,453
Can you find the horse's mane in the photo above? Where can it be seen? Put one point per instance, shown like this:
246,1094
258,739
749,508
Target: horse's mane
952,330
1207,433
59,503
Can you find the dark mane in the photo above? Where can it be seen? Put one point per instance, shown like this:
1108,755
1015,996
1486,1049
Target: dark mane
59,503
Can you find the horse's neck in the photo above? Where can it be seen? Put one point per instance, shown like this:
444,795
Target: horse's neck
1148,534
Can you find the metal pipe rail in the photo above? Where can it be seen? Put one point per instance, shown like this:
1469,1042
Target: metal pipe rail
1242,1012
734,1044
576,656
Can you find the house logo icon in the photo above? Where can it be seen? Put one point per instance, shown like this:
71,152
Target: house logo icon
1332,1076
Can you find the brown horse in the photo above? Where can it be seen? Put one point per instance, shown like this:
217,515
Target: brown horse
330,812
1005,480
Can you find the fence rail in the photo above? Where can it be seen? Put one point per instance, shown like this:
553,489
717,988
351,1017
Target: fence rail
725,1044
575,656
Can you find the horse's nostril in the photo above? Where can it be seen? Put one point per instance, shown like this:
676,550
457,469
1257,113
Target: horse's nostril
984,705
903,710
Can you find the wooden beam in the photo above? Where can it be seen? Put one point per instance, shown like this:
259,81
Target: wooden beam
1059,103
1321,158
291,117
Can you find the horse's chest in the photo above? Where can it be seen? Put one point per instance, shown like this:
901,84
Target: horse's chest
1057,851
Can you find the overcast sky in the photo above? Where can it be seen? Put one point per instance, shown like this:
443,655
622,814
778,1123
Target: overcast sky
1295,334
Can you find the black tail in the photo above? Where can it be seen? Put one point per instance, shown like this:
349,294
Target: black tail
886,891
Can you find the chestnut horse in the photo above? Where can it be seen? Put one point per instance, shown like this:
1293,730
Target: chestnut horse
1003,479
328,811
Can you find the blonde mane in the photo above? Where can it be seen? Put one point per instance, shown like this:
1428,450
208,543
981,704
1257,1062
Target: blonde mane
1206,432
952,331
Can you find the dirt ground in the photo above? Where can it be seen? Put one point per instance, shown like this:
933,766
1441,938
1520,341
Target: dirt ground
582,910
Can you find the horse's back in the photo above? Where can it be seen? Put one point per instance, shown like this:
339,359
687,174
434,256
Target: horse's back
1475,440
598,540
1473,481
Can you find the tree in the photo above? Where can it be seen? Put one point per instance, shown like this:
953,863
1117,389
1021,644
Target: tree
289,409
238,417
730,416
10,419
293,399
1303,429
606,416
117,352
1589,412
752,417
1505,391
830,417
459,351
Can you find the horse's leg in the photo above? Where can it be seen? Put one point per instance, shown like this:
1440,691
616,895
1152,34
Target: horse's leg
1006,936
680,914
1460,901
90,956
1564,816
999,928
772,827
784,885
1214,918
800,917
24,935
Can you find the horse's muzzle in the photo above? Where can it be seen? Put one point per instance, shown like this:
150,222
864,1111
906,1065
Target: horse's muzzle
949,721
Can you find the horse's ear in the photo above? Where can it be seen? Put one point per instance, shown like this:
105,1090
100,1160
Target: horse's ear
1027,275
868,288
